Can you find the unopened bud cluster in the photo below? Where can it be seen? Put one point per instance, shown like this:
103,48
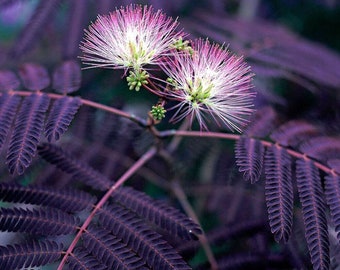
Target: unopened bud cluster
136,79
158,112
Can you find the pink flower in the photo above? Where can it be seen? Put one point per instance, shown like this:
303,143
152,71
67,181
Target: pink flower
210,82
129,37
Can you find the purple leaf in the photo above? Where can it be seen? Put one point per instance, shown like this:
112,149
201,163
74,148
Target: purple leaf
8,81
34,77
67,77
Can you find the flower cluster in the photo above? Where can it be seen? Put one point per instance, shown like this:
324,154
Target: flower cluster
204,79
130,37
211,81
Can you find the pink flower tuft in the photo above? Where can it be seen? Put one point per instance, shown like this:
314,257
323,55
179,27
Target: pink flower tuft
129,37
210,82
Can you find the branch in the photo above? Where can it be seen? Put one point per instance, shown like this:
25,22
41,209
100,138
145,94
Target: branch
92,104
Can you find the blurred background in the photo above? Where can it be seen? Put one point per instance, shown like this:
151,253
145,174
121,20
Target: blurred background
315,19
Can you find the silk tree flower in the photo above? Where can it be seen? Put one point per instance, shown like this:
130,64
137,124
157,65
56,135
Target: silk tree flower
210,82
129,37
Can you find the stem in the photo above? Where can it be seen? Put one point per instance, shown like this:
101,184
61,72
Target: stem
182,198
151,87
148,155
132,117
203,134
177,139
153,91
235,137
151,83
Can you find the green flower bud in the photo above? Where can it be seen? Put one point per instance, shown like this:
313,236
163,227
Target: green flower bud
137,79
182,45
158,112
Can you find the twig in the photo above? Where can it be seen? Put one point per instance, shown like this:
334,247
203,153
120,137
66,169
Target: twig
182,198
177,139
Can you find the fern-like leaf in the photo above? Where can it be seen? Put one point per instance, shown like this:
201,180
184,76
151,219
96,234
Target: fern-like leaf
80,171
29,254
110,250
72,35
286,56
34,77
314,213
43,221
334,164
332,193
322,148
263,121
8,107
146,243
30,33
67,77
294,132
80,259
68,200
8,81
27,130
60,117
166,217
249,158
279,192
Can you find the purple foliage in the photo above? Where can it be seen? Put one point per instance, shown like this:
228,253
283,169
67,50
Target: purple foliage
33,253
279,192
42,221
9,105
294,132
249,155
8,81
67,77
28,127
60,117
314,214
322,148
332,193
34,76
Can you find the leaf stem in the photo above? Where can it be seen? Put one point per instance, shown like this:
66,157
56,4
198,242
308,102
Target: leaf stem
92,104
